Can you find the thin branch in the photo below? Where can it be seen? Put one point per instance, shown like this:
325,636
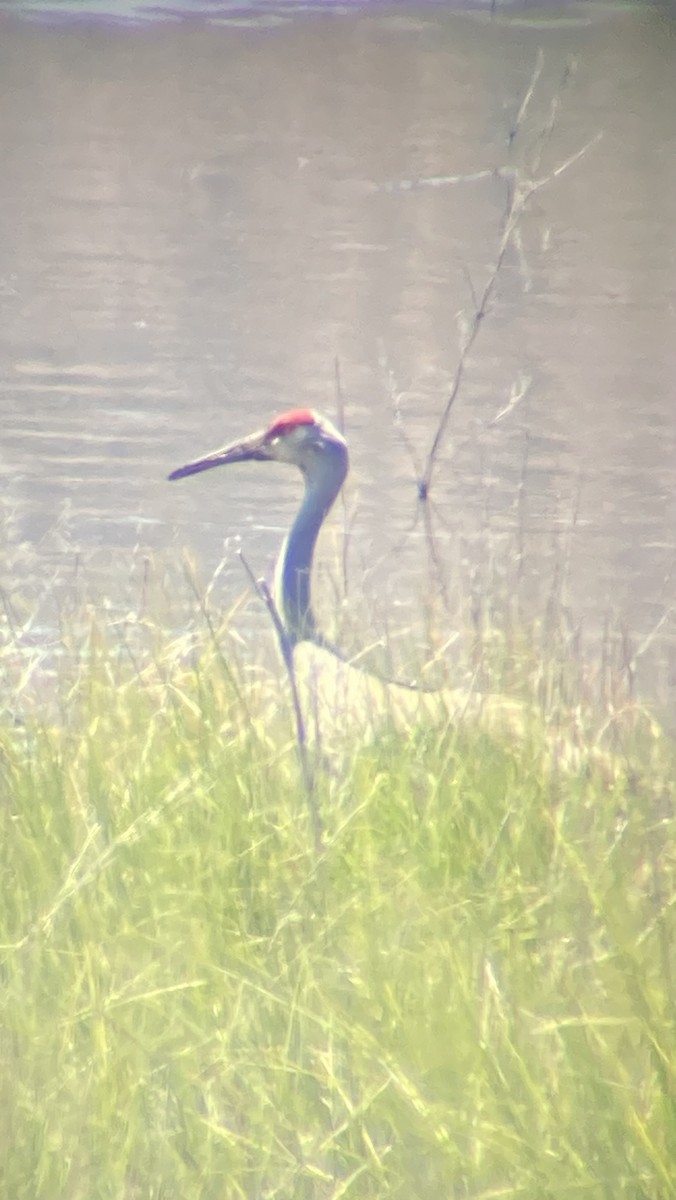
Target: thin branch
528,95
434,181
434,557
519,199
568,162
470,284
519,389
548,128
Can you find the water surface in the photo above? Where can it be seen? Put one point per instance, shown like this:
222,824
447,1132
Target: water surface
202,215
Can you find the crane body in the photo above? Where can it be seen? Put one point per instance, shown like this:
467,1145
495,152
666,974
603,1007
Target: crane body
331,687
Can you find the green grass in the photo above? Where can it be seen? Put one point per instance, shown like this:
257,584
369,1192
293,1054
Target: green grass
468,993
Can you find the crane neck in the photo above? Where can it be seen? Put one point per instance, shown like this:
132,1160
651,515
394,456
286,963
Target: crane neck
294,567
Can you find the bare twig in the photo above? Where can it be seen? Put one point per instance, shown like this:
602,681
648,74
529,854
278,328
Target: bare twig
536,184
434,181
519,196
528,95
434,558
519,389
548,128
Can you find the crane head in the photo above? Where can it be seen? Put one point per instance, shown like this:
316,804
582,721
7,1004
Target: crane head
301,437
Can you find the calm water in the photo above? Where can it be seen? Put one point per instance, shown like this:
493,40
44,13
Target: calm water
200,216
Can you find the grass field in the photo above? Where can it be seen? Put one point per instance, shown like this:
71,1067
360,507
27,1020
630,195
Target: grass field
468,992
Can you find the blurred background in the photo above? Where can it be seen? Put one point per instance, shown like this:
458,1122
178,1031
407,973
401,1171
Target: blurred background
212,212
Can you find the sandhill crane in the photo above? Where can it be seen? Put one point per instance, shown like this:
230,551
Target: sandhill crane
313,444
332,687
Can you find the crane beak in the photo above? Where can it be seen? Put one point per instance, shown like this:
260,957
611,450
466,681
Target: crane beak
253,447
